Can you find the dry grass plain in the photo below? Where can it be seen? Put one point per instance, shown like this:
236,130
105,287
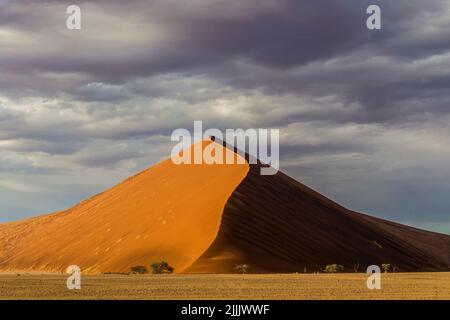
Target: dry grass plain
249,286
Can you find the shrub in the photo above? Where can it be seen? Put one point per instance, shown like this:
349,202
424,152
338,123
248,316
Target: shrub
161,267
334,268
139,269
243,268
386,267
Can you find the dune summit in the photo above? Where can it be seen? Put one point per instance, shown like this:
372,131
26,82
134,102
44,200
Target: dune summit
209,218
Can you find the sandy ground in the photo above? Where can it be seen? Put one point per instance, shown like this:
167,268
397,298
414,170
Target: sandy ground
276,286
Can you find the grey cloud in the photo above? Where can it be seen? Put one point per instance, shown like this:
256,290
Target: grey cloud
292,47
288,34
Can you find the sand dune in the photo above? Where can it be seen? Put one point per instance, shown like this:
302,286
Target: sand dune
208,219
276,224
169,212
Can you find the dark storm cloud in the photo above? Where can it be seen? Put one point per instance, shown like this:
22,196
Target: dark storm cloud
276,46
284,35
280,34
294,34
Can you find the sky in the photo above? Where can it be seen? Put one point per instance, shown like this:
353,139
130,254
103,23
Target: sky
364,115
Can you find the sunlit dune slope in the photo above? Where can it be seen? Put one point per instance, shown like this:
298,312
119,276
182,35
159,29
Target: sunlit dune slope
168,212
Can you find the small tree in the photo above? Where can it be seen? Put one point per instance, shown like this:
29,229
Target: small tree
386,267
161,267
243,268
139,269
333,268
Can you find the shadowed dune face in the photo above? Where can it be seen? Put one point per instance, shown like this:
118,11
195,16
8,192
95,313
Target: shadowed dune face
210,218
168,212
276,224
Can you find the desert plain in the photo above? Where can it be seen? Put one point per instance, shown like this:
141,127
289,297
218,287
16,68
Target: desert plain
395,286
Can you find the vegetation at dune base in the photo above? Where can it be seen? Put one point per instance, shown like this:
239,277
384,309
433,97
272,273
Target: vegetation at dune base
334,268
118,273
242,268
386,267
161,267
139,269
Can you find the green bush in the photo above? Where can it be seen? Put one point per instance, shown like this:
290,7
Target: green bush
334,268
139,269
161,267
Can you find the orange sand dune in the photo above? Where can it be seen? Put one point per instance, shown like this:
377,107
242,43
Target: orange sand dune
168,212
208,219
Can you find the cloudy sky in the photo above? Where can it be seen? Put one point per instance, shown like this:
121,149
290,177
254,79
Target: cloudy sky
364,114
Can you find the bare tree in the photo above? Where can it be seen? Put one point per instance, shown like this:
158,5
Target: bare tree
334,268
243,268
386,267
161,267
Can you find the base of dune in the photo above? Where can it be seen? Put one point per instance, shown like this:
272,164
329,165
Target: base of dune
398,286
